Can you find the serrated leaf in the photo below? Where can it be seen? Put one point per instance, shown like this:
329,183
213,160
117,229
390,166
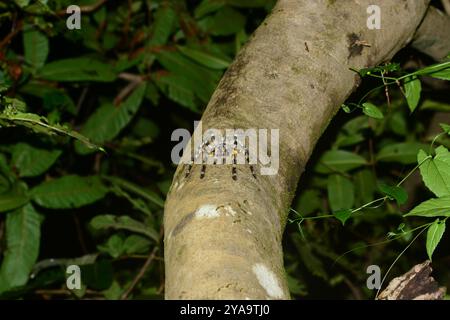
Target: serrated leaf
394,192
436,171
204,58
372,111
36,47
125,223
107,122
68,192
343,215
31,161
413,89
339,160
437,207
434,236
77,70
341,192
405,152
22,247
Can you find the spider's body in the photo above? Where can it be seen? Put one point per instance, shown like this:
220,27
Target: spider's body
219,151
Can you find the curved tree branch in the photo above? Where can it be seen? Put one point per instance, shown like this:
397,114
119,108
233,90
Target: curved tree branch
223,237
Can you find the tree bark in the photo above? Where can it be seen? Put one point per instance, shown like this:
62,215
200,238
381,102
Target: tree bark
223,237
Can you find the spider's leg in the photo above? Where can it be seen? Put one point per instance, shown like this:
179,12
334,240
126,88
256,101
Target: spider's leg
234,155
206,153
193,159
247,158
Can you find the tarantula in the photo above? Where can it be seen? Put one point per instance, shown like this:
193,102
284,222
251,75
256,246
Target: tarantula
219,150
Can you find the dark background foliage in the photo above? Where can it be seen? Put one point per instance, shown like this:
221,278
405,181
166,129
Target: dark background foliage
134,72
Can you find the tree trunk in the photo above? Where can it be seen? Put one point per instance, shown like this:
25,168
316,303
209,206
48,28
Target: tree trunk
223,237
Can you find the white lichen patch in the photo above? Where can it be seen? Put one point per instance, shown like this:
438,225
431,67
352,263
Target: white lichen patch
249,231
207,211
268,280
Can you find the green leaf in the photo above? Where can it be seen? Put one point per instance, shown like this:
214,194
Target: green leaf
413,89
445,127
435,106
207,7
77,70
135,244
31,161
14,198
165,19
365,185
107,122
341,192
434,236
339,160
131,187
438,207
405,152
68,192
204,58
372,111
99,275
395,192
125,223
439,70
36,47
343,215
179,89
225,22
113,246
22,247
436,171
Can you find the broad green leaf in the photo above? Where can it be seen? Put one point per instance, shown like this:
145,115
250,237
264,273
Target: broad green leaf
125,223
14,198
36,47
309,201
445,127
413,89
339,160
405,152
225,22
179,89
202,80
365,185
68,192
162,27
308,258
140,191
22,3
107,121
341,192
395,192
31,161
434,236
204,58
135,244
77,70
435,106
372,111
343,215
113,246
436,171
207,7
437,207
22,247
439,70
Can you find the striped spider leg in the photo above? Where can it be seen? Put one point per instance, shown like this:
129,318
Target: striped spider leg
239,147
202,150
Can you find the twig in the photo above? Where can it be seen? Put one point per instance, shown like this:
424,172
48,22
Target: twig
141,273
